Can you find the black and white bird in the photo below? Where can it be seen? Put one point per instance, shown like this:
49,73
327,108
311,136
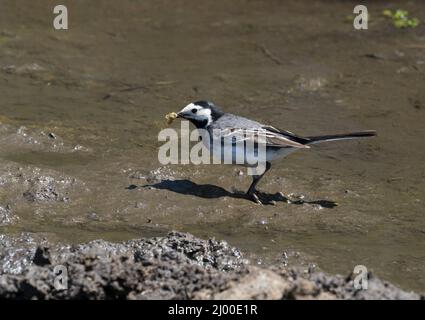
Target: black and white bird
277,143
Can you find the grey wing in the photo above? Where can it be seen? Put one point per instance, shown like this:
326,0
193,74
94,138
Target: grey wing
243,129
229,120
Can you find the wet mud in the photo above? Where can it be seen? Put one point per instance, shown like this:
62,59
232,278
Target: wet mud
81,109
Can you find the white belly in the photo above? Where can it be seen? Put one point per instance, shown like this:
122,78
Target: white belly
240,154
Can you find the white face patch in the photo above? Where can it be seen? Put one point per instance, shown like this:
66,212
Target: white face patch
188,108
206,114
201,114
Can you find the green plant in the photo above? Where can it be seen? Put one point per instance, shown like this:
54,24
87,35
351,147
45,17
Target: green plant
400,18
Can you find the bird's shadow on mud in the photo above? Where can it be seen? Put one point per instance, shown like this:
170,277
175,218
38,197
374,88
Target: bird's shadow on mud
210,191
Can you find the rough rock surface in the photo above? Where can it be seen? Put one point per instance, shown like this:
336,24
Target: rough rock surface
178,266
6,215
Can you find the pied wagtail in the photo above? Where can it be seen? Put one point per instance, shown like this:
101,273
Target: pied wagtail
278,143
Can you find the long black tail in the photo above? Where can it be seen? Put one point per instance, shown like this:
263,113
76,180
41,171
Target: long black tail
346,136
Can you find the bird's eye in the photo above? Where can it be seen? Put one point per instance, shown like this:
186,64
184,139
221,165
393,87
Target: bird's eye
194,110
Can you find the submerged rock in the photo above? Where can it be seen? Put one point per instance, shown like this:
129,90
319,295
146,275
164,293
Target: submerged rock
34,184
25,69
45,188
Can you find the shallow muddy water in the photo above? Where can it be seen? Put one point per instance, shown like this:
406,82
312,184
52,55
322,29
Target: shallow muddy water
81,109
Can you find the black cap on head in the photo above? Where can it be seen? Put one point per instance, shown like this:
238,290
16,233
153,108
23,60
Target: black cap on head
215,111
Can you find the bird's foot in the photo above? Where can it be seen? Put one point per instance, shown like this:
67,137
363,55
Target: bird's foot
253,196
284,198
267,199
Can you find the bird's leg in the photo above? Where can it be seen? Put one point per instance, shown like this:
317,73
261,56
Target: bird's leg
255,179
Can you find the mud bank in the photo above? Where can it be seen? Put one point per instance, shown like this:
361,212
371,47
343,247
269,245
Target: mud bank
177,266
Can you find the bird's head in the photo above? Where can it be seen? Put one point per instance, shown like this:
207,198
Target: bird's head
200,113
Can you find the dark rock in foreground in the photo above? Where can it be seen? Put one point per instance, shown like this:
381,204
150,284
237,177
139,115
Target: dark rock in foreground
178,266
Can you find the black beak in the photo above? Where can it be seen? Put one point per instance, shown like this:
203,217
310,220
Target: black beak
180,115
